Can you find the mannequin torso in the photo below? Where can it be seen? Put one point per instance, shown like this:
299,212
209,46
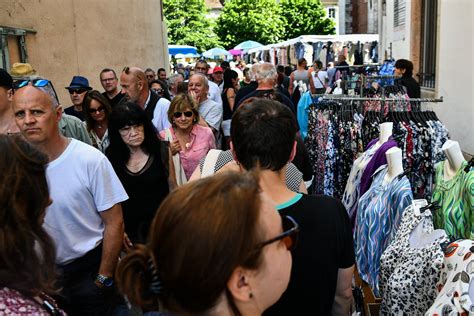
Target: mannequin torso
454,157
394,162
385,132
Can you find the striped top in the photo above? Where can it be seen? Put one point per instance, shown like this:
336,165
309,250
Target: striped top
379,214
456,198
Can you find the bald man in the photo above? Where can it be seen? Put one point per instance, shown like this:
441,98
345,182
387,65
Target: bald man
135,85
85,218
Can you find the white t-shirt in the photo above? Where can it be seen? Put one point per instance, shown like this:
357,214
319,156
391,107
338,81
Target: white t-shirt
212,113
81,183
323,78
214,93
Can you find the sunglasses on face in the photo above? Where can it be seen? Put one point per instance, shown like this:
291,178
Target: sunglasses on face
150,76
77,90
289,235
99,109
35,83
187,114
158,90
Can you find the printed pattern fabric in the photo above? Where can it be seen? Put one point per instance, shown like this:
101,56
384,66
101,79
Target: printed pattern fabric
408,275
456,198
350,197
333,144
456,277
378,217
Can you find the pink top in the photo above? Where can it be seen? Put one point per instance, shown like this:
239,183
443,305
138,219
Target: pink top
14,303
202,140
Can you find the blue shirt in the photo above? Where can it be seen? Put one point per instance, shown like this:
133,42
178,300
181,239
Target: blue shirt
379,214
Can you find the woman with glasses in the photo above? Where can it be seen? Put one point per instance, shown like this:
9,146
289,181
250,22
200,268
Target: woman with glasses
96,109
216,247
189,140
141,162
27,252
160,88
324,258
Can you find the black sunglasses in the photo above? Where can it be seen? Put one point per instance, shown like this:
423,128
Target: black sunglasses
187,114
99,109
289,235
76,90
35,83
158,90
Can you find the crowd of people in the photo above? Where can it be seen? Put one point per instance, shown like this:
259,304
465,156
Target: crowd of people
181,194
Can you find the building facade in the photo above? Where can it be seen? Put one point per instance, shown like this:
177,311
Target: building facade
436,35
63,38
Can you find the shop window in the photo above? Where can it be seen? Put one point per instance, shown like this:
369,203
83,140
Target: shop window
399,13
427,75
332,13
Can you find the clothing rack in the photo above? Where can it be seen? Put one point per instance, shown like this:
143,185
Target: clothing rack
359,99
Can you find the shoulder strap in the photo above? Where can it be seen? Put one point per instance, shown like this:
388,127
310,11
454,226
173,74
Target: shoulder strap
210,163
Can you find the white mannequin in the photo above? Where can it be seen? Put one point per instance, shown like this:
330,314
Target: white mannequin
394,162
338,89
454,157
386,129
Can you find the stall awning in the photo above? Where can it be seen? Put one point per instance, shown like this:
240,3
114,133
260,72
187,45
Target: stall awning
181,49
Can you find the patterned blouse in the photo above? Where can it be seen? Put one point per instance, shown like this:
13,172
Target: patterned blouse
13,302
456,198
456,277
410,267
378,217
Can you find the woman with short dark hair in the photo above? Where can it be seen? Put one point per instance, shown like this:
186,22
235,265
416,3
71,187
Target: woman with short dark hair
27,252
142,164
404,68
217,247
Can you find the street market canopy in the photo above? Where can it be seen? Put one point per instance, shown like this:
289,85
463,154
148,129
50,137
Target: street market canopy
182,49
216,52
248,45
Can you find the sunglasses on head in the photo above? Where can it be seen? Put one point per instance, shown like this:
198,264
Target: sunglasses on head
187,114
35,83
289,235
99,109
77,90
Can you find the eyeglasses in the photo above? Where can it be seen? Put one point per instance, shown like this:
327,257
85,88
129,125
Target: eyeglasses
127,130
99,109
108,79
179,114
157,90
39,83
76,90
289,235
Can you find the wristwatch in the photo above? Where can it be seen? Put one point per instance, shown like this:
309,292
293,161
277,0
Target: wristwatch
105,281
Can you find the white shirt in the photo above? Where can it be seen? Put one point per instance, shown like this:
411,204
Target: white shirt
160,114
214,93
319,79
81,183
212,113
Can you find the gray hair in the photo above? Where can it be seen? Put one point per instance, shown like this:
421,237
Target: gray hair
266,71
203,79
173,78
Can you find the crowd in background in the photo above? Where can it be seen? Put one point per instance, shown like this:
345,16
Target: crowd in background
134,172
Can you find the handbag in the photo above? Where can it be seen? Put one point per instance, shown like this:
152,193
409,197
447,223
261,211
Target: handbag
178,168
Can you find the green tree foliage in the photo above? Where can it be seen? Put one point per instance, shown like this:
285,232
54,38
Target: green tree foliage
306,17
187,24
257,20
